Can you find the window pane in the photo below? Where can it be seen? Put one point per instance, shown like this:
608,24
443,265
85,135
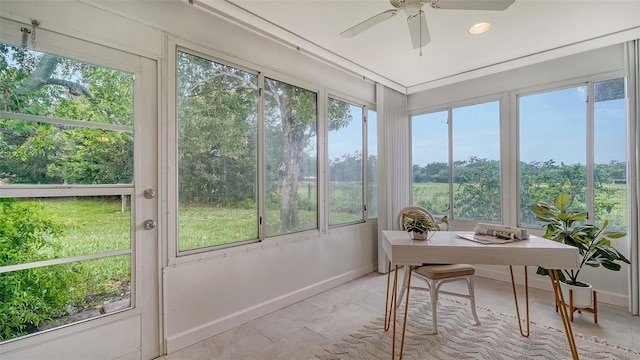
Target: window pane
42,298
40,84
291,158
476,162
372,169
217,153
345,163
610,154
44,153
429,152
552,148
53,86
37,229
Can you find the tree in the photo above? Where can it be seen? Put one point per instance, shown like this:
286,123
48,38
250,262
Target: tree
217,133
43,153
217,111
478,195
291,125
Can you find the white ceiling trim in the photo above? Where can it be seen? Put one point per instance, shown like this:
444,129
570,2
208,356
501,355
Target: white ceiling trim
255,23
599,42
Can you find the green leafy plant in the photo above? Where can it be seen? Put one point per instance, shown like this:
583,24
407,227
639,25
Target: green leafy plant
566,227
32,296
417,223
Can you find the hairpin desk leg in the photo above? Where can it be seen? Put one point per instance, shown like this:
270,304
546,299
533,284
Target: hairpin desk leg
526,295
391,306
387,309
406,310
559,298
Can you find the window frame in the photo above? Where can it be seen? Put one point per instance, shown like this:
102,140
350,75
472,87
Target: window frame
589,83
448,108
364,133
64,46
169,157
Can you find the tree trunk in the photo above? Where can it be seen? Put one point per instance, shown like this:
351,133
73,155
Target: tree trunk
290,167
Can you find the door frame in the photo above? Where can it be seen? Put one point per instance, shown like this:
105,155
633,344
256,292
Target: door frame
93,336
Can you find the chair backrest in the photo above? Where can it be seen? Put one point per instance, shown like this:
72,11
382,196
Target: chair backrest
412,210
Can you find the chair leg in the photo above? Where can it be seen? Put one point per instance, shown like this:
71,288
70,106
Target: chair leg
433,292
472,299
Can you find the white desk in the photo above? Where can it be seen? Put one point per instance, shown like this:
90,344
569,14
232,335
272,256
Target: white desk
445,247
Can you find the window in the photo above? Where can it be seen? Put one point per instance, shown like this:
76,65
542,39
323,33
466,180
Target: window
610,172
345,162
476,162
556,153
217,153
430,156
462,178
372,167
219,156
291,155
63,254
552,148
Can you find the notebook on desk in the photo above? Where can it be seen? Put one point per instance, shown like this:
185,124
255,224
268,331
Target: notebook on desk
485,239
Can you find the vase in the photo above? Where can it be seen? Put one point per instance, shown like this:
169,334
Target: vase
582,295
418,236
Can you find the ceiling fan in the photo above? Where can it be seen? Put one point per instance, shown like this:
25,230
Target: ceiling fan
416,20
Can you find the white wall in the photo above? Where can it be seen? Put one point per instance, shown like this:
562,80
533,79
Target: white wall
599,61
611,286
208,293
210,296
212,292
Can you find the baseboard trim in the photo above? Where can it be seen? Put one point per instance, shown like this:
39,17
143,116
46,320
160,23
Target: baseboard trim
543,283
217,326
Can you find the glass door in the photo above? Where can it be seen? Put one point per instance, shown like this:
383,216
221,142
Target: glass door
78,182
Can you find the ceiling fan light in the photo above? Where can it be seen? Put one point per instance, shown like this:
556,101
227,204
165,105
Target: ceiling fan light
479,28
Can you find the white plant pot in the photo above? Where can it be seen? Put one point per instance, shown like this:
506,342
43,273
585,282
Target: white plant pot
582,296
418,236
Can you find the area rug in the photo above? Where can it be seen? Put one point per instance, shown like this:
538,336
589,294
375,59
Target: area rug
459,338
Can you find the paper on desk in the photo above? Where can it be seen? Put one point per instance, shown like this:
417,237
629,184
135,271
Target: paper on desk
485,239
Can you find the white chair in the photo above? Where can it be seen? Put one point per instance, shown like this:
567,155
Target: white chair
437,274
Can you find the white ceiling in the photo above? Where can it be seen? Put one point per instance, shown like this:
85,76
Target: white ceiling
527,28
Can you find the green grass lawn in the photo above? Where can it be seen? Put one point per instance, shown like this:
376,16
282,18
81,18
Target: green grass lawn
96,225
91,225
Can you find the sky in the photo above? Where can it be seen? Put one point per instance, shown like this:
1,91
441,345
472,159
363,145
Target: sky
349,139
553,126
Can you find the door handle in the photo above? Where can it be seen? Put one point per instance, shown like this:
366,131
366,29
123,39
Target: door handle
149,224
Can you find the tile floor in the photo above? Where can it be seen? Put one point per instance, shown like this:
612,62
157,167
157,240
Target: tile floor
304,329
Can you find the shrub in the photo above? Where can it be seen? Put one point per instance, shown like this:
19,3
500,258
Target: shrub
29,297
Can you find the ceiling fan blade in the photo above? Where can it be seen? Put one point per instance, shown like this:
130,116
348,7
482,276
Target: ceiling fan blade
418,30
472,4
369,23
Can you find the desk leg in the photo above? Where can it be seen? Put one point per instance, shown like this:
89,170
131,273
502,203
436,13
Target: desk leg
387,309
391,305
559,298
526,295
406,309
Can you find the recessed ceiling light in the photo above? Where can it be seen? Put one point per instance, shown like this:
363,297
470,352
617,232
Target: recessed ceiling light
479,28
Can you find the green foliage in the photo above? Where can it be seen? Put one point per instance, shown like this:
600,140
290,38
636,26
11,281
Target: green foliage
217,133
566,226
36,230
29,297
477,189
34,83
417,223
478,194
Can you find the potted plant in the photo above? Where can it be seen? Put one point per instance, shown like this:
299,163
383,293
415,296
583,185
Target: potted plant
593,243
418,226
